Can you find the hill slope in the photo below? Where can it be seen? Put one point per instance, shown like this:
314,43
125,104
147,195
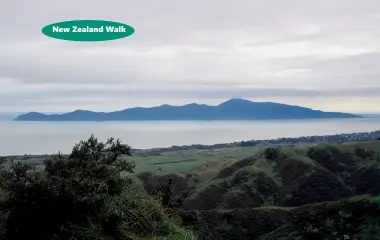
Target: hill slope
291,177
233,109
327,191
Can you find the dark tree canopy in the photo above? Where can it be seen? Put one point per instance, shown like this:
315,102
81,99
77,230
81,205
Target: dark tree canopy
84,195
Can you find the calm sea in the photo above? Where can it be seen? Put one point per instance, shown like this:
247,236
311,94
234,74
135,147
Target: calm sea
51,137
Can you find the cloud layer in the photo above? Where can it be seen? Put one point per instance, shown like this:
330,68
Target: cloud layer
321,54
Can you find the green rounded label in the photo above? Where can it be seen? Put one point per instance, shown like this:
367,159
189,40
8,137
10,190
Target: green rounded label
88,30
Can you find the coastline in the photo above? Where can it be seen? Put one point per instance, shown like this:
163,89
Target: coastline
285,141
336,138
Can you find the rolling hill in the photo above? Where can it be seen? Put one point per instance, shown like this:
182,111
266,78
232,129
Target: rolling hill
325,191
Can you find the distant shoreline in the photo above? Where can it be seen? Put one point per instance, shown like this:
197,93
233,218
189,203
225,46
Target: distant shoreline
288,141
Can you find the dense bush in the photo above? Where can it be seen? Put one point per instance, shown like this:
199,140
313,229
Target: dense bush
272,153
84,195
332,158
365,153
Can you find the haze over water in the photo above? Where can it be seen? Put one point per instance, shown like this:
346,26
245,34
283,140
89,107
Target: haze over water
17,138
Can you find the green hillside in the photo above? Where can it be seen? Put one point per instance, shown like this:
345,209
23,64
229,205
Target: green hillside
271,187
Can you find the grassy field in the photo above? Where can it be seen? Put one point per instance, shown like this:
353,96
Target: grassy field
186,161
181,161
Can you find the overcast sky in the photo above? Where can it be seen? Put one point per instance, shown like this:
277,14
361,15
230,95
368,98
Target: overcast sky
321,54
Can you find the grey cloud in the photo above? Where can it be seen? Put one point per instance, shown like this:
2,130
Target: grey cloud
368,62
192,49
100,95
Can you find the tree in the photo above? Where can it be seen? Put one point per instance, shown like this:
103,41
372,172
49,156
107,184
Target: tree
84,195
72,191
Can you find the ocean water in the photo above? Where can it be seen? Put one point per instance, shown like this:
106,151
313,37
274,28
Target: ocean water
18,138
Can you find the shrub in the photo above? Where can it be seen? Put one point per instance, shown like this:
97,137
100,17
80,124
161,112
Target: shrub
84,195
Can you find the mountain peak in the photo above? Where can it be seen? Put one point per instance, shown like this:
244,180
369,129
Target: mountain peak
82,111
235,101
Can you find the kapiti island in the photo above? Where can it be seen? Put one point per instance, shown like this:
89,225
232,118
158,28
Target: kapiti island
233,109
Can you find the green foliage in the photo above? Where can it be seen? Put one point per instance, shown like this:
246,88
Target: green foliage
342,221
364,153
295,178
85,195
272,153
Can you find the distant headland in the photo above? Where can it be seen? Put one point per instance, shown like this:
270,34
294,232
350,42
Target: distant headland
233,109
